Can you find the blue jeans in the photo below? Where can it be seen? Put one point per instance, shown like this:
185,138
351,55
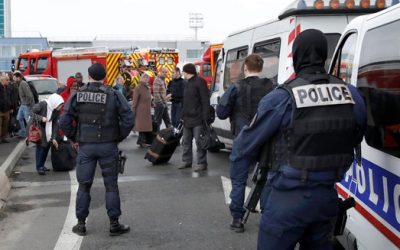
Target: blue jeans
41,155
22,117
89,154
176,113
239,172
303,215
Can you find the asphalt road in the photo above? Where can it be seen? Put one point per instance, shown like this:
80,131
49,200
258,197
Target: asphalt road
167,208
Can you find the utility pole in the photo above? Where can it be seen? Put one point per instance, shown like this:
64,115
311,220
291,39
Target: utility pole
196,22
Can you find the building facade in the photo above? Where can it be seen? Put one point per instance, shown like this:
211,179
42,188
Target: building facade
5,18
10,48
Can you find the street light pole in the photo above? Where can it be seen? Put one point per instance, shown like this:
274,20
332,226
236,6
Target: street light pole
196,22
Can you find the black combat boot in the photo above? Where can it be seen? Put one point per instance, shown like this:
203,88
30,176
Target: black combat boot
116,228
80,228
237,225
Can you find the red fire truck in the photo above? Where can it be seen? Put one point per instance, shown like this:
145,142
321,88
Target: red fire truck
63,63
206,67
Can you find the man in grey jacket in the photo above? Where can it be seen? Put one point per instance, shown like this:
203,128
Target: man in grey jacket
27,101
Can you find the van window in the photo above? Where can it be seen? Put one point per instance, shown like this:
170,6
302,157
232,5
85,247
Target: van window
269,51
217,77
233,65
206,69
344,58
379,80
197,68
41,65
332,42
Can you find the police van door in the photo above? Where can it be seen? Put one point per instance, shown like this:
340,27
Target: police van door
372,63
232,72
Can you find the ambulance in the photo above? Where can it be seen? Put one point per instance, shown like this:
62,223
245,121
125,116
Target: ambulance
368,57
273,41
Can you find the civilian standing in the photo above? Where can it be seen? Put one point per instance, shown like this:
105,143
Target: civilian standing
70,89
195,114
27,102
160,99
141,107
175,89
79,79
5,107
46,114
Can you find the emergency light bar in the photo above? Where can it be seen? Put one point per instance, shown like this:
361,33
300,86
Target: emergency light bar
80,51
317,7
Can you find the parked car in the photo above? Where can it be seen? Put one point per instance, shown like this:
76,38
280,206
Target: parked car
45,85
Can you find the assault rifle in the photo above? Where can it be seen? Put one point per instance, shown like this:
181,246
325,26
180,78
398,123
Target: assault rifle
341,220
121,162
259,178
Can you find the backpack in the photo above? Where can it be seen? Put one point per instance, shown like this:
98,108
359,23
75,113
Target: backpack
34,92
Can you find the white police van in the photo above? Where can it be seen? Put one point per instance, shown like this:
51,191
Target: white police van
273,42
368,56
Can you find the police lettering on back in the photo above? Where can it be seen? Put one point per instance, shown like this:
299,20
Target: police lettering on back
91,97
313,95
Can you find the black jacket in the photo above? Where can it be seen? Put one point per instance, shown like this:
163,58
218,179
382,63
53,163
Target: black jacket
176,88
15,103
196,102
5,98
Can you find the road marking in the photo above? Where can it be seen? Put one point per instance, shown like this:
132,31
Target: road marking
68,239
227,187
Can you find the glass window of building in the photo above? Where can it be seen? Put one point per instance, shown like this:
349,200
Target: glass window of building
194,53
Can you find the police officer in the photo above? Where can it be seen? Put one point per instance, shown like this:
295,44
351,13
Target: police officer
239,103
97,117
312,124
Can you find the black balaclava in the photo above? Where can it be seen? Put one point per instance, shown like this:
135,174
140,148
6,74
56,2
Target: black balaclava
310,49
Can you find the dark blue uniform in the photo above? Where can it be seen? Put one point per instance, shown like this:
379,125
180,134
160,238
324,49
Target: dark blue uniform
299,201
98,118
239,103
275,111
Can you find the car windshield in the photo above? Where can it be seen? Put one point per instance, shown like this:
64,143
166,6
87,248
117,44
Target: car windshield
45,86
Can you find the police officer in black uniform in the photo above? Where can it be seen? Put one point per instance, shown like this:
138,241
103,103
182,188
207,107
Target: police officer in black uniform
97,118
239,103
312,125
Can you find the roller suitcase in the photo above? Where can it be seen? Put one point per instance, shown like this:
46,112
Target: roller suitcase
63,158
164,145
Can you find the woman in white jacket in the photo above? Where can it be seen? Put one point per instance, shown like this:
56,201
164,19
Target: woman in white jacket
46,114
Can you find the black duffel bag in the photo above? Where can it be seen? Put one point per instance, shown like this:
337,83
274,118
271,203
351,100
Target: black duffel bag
63,158
208,139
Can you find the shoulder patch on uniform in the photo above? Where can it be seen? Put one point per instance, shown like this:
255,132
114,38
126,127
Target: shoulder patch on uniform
91,97
313,95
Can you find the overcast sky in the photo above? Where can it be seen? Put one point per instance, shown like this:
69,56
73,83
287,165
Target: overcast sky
151,19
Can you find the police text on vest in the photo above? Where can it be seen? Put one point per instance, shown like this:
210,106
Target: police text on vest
313,95
91,97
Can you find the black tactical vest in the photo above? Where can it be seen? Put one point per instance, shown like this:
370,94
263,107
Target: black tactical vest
323,130
250,91
97,114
